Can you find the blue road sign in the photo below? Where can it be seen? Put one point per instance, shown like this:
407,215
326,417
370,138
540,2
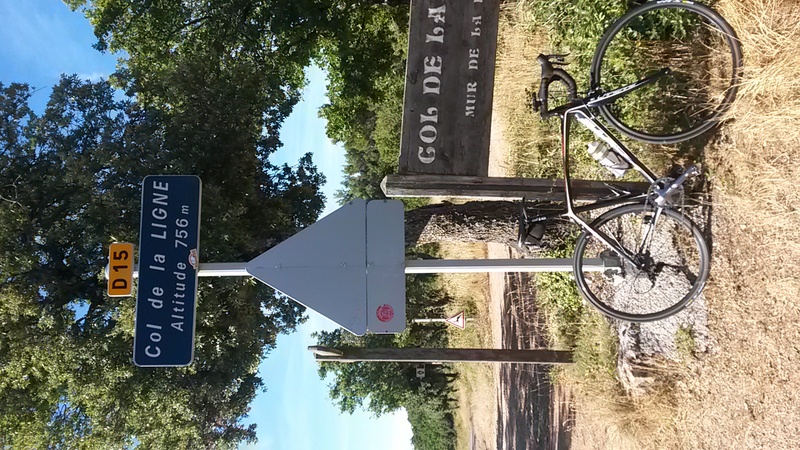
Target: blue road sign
169,236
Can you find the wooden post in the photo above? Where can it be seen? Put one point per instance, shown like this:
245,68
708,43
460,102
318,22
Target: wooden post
442,355
418,185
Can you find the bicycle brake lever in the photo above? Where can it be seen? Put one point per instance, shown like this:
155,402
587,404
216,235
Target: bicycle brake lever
664,195
559,59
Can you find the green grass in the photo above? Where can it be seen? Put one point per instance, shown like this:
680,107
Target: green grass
575,27
595,350
684,342
558,296
575,325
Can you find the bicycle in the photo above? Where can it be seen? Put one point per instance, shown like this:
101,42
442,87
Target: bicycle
662,259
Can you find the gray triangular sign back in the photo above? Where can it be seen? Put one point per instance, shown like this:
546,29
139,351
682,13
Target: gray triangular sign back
325,266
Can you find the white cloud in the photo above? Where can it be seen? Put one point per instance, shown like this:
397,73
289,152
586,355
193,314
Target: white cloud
94,77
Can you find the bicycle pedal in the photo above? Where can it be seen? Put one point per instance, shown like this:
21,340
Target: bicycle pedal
533,235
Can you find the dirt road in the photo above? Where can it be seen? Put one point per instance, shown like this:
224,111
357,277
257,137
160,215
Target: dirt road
531,412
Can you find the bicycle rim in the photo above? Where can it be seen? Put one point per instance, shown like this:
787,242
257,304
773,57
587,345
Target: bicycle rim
704,57
676,264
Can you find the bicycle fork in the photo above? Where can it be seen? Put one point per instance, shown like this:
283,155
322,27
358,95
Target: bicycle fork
662,199
664,195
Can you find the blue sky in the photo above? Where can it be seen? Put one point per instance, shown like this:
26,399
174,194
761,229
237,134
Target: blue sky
41,39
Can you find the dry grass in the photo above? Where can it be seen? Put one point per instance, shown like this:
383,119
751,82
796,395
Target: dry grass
743,394
516,77
605,416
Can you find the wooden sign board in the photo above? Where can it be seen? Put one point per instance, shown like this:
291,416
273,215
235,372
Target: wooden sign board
449,85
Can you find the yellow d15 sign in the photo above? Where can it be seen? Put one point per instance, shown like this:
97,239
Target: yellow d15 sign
120,269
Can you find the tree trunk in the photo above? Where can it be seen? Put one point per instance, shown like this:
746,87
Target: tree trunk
476,221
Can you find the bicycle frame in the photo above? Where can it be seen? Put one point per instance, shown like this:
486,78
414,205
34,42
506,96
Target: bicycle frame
581,110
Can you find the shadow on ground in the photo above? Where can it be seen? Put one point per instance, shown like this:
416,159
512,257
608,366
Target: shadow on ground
532,412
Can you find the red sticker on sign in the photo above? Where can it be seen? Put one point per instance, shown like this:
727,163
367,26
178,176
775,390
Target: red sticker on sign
385,313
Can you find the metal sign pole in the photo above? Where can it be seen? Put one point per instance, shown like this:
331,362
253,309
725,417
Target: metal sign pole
417,266
225,269
506,265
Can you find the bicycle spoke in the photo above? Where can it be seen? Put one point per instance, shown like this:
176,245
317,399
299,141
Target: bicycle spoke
672,264
704,58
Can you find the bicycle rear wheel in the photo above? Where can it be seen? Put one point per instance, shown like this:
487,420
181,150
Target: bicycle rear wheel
675,262
704,57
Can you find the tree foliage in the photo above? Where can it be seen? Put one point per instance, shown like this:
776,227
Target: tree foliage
383,387
163,40
267,43
212,82
69,185
365,61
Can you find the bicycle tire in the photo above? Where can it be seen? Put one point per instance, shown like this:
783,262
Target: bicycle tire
635,33
657,291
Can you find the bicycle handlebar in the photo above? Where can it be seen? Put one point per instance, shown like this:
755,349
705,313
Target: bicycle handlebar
552,74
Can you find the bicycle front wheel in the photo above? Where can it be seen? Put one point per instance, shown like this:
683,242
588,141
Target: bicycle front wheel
673,262
699,48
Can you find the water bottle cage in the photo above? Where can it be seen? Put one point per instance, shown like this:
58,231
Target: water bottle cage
608,158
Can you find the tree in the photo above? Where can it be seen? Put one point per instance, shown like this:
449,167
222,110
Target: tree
366,63
266,44
70,184
384,387
278,38
381,387
161,37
